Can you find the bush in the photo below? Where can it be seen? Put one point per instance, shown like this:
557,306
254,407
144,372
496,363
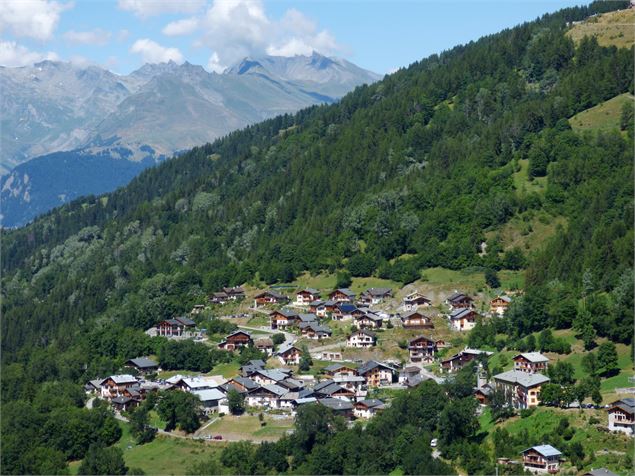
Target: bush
526,412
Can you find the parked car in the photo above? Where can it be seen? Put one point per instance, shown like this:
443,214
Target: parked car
434,442
218,437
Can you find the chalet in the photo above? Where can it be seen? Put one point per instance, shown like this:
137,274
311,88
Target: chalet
191,384
459,301
408,373
368,408
318,308
291,384
265,345
236,340
483,394
361,339
289,354
339,407
143,364
413,300
422,349
268,376
210,399
345,310
314,331
241,385
269,297
458,361
376,373
531,362
463,319
342,295
541,459
93,386
306,318
340,370
115,385
306,296
354,383
197,309
283,319
499,305
219,297
330,389
251,366
177,327
621,416
374,295
368,320
266,396
416,320
524,388
123,403
236,293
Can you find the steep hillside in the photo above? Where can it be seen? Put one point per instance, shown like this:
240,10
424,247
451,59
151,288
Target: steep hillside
607,116
611,28
389,170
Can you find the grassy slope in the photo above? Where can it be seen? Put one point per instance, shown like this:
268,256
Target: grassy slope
603,117
613,28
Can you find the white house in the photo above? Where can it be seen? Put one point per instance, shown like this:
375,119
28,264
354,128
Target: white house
361,339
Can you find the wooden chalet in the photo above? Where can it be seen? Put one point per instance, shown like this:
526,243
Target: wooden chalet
330,389
368,408
459,300
522,387
531,362
499,305
461,359
289,354
339,407
269,297
340,370
368,320
361,339
176,327
413,300
416,320
342,295
115,385
143,365
236,293
374,296
541,459
318,307
463,318
306,296
376,373
264,344
313,330
283,319
422,349
236,340
621,416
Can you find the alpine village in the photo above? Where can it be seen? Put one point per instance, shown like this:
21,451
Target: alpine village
433,275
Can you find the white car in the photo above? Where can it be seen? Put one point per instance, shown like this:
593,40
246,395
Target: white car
434,442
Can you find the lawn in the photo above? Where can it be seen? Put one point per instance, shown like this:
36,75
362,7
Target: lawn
522,182
603,117
527,233
248,427
612,28
227,370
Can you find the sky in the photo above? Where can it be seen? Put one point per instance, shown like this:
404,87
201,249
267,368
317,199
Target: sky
122,35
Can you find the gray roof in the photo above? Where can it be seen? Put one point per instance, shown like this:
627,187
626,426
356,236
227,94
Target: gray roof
246,382
275,294
285,313
313,325
460,313
336,404
186,321
533,357
125,378
276,389
336,367
372,403
365,332
285,347
273,374
458,297
370,365
309,290
545,450
370,315
209,394
378,291
317,303
345,291
122,400
626,404
522,378
308,317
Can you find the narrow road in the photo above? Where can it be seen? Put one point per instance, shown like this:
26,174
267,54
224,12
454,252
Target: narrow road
288,336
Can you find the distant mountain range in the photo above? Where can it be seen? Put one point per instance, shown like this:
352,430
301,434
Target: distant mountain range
70,116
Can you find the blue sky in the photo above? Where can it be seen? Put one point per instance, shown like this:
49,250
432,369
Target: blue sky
123,34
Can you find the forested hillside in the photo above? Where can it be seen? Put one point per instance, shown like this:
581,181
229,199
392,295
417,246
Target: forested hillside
416,171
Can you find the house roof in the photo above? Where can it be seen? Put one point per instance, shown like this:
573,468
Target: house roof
370,365
123,378
276,389
234,290
202,382
273,374
348,379
186,321
378,292
503,298
371,403
533,357
411,314
370,315
626,404
271,293
336,367
346,307
309,290
522,378
143,363
122,400
336,404
330,389
344,291
220,294
95,383
415,339
457,296
264,342
246,382
545,450
239,331
315,327
208,395
286,347
317,303
415,296
291,383
285,312
460,313
365,332
307,317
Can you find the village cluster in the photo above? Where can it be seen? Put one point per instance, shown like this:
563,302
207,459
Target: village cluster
342,386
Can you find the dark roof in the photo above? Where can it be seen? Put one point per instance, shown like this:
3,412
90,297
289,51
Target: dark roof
122,400
239,331
458,297
626,404
285,312
429,339
143,363
370,365
460,313
315,327
275,294
600,472
345,291
370,315
378,291
336,404
309,290
346,307
264,342
286,347
411,313
246,382
307,317
186,321
317,303
365,332
371,403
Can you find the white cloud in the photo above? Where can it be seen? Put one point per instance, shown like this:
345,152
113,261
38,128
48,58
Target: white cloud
147,8
93,37
233,29
152,52
12,54
31,18
181,27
